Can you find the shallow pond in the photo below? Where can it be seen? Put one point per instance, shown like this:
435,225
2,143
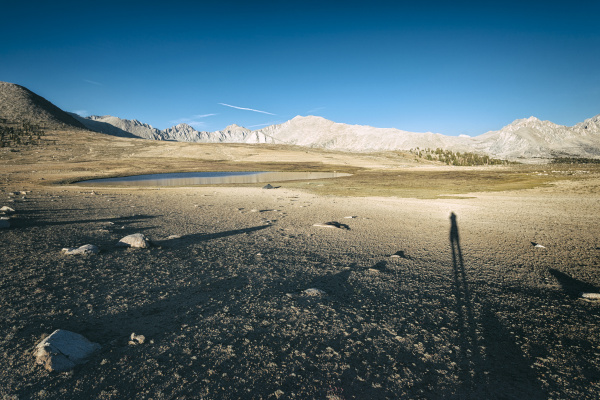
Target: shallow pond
209,178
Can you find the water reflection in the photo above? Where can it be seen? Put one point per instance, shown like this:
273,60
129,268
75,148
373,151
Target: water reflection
210,178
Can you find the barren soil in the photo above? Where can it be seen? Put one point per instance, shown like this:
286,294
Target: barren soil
477,312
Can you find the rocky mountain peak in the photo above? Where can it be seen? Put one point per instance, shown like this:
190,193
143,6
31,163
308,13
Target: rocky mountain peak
21,104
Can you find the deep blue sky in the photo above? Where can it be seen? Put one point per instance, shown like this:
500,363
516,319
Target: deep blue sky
450,67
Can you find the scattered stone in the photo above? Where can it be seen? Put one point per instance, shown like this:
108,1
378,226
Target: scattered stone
171,237
63,349
314,292
590,296
400,254
351,217
136,339
135,240
85,249
534,244
268,186
7,210
333,224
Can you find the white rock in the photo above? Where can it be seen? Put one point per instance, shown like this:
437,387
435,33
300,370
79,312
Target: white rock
135,240
85,249
7,210
62,350
332,224
314,292
136,339
591,296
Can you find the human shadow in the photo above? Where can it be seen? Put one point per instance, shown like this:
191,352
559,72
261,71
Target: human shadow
490,363
571,286
468,356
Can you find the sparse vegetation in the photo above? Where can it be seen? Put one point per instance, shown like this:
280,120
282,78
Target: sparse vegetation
22,133
457,158
575,160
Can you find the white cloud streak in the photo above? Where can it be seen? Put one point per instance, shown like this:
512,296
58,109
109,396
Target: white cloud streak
315,110
247,109
256,126
92,82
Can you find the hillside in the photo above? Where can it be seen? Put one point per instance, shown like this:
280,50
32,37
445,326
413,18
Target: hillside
18,104
531,138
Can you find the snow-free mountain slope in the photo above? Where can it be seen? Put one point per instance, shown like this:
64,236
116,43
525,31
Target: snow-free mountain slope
531,138
20,104
314,131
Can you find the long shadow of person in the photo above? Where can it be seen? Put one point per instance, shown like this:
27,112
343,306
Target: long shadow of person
491,364
468,355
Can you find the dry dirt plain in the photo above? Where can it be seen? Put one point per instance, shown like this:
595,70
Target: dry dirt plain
478,314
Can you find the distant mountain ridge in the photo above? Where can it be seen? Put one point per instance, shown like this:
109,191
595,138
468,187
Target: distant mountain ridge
527,139
523,139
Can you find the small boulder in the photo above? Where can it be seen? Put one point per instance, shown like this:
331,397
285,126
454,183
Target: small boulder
135,240
314,292
333,224
63,350
268,186
136,339
7,210
590,296
85,249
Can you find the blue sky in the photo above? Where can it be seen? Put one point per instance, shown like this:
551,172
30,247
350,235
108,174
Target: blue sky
459,67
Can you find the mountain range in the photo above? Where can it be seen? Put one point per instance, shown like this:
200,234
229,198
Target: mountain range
527,140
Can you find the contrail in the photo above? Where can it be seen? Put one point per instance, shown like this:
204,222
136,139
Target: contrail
247,109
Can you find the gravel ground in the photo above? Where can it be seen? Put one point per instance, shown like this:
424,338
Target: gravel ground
475,312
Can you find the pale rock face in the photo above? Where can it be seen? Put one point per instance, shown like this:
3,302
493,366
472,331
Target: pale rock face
63,350
531,138
138,240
